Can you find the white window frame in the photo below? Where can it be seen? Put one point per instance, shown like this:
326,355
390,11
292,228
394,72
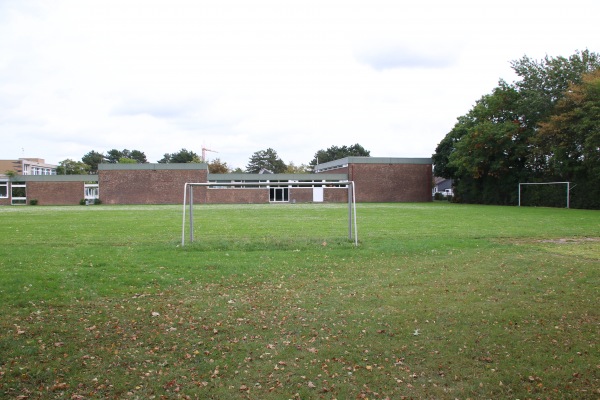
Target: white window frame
18,200
91,191
279,195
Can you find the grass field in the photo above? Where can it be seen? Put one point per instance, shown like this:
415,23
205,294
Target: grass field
273,302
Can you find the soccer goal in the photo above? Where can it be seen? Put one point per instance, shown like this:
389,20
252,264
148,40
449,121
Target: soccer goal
188,201
545,194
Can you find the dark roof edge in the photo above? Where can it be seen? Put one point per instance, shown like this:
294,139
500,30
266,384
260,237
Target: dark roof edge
371,160
155,166
55,178
276,177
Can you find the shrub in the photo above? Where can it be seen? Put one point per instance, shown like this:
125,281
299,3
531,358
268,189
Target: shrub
82,202
33,202
97,201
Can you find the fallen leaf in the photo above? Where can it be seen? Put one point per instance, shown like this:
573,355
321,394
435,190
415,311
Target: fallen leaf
59,386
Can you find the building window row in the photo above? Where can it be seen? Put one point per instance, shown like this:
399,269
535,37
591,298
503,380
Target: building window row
40,171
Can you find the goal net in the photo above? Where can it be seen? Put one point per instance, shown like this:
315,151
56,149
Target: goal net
188,201
544,194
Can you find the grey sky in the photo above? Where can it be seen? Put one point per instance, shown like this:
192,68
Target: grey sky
241,76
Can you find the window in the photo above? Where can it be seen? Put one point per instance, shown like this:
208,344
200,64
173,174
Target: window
19,193
91,191
3,189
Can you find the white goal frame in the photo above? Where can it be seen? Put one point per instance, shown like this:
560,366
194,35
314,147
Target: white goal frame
188,194
547,183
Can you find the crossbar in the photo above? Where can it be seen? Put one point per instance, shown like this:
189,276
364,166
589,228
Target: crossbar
352,225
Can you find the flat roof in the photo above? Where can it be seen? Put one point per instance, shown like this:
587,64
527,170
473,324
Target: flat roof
239,177
153,166
55,178
342,162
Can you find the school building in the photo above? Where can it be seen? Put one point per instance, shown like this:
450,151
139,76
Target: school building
376,179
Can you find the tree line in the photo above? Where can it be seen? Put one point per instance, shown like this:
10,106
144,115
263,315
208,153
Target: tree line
260,161
544,127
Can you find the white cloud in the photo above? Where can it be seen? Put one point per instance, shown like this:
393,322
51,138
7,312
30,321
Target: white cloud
238,76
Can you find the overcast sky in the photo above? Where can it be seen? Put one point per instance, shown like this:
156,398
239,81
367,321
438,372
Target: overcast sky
238,76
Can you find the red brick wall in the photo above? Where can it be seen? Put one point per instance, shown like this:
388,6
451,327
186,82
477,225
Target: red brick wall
301,195
258,196
234,196
335,195
330,195
148,186
390,182
55,193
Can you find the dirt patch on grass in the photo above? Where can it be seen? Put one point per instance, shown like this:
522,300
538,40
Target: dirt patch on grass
570,240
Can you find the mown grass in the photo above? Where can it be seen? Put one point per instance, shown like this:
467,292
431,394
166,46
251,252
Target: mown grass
273,301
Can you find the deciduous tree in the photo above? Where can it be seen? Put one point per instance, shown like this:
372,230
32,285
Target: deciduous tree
71,167
217,166
494,146
570,140
297,169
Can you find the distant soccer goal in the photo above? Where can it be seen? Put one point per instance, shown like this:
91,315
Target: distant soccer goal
545,194
188,201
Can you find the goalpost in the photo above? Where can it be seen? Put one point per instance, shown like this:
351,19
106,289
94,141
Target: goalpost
547,183
188,194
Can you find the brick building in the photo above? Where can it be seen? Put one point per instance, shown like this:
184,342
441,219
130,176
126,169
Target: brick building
384,179
377,179
27,166
147,183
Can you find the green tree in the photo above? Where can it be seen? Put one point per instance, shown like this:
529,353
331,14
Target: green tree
114,156
217,166
92,159
138,156
126,160
181,156
70,167
297,169
492,147
488,159
543,83
265,160
570,140
335,153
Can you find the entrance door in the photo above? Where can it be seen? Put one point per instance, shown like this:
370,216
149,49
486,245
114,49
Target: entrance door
279,194
318,194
